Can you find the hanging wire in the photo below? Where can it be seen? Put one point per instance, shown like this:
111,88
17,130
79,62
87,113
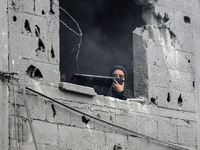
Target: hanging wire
80,33
78,46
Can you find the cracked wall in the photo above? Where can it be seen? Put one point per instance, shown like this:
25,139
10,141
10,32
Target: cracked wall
34,39
3,67
165,69
163,72
164,60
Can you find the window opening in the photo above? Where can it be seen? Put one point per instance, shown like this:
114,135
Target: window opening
107,28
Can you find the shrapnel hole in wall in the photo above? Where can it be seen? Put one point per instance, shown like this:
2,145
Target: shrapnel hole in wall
13,4
168,97
43,12
117,147
153,100
41,46
27,26
54,110
172,34
34,72
180,100
51,7
37,31
193,84
34,5
111,118
166,17
52,52
85,119
187,19
14,18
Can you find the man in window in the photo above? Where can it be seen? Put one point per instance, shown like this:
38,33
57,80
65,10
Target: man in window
120,87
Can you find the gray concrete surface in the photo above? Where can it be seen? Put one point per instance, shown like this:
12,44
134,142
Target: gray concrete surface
166,74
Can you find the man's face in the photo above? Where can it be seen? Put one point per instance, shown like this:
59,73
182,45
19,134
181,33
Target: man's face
118,74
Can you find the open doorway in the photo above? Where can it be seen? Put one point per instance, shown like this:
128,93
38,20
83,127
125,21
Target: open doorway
107,28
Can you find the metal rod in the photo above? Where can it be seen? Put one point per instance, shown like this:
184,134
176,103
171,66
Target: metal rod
115,125
29,117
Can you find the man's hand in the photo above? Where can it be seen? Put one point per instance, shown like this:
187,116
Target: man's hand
118,87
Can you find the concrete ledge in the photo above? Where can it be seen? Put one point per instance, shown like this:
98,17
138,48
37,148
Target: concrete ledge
64,86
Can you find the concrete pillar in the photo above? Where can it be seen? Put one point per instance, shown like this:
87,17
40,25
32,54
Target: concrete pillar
3,68
197,75
3,115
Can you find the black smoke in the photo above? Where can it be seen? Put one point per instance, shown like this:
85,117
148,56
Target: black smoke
107,27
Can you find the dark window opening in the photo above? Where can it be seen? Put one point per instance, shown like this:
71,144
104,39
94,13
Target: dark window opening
107,28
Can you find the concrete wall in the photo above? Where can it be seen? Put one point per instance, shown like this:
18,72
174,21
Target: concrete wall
166,119
3,83
57,127
34,40
197,71
166,42
166,51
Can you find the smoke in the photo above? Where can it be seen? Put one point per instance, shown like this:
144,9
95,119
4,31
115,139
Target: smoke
107,28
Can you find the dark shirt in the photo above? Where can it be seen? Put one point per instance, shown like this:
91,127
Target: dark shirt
127,93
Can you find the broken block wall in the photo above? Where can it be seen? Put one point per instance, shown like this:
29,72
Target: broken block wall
164,68
34,40
31,51
164,54
29,57
3,68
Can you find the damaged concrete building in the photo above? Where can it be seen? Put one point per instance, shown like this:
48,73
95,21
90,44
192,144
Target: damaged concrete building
37,111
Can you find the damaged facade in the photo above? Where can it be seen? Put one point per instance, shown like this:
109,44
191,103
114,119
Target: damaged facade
39,112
